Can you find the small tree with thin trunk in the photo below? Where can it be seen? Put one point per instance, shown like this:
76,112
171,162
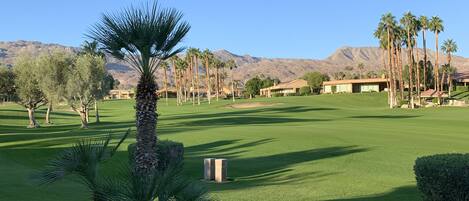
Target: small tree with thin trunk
85,84
27,81
53,68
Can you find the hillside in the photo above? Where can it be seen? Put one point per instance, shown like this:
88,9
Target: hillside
249,66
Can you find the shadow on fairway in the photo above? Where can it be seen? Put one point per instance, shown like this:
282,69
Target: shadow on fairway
263,170
244,112
385,116
44,137
405,193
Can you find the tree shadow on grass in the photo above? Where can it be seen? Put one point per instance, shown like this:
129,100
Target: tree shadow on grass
384,116
405,193
244,112
21,137
263,170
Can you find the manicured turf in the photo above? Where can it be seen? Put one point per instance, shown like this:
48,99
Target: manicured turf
328,147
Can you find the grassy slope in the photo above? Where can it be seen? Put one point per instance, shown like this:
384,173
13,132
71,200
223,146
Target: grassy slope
329,147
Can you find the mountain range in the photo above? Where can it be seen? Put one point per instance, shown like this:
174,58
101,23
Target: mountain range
343,59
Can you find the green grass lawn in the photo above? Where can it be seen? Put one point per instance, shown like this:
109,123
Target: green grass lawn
328,147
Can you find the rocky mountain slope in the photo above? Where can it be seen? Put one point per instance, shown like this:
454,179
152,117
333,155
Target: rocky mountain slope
248,66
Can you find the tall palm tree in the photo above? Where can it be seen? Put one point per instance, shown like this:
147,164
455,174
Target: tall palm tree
449,47
143,37
165,67
197,55
175,77
190,57
424,25
410,23
181,66
436,26
207,56
231,64
381,34
217,64
388,23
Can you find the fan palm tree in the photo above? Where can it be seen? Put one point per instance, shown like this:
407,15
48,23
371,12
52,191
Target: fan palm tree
450,71
436,26
410,23
217,64
175,76
381,34
449,47
388,24
181,67
197,55
231,64
165,67
190,57
207,57
424,25
143,37
85,158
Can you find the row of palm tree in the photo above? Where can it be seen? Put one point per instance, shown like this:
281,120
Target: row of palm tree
393,37
187,76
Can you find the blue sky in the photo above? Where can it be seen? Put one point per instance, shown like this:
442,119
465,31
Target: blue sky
267,28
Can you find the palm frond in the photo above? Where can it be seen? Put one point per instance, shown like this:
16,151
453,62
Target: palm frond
141,36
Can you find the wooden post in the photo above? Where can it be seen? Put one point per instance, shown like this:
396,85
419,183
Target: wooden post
221,170
209,169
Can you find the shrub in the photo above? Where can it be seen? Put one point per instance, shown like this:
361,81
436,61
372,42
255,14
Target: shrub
304,91
443,177
168,152
435,100
291,94
277,95
461,88
334,88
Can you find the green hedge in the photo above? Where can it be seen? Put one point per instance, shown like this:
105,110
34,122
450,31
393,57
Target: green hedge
443,177
277,95
304,91
168,152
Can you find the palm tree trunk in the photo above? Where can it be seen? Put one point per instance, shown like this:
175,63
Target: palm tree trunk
232,86
146,105
32,118
192,90
417,72
437,73
207,71
197,79
217,77
392,82
175,80
424,61
411,64
96,111
165,86
49,110
400,65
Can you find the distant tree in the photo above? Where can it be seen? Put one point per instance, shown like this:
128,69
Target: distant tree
449,47
231,64
253,86
268,82
436,26
7,84
315,80
207,57
361,67
450,71
53,69
165,67
339,75
85,84
371,74
304,91
27,81
218,64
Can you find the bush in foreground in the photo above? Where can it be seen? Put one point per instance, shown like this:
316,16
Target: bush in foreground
443,177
